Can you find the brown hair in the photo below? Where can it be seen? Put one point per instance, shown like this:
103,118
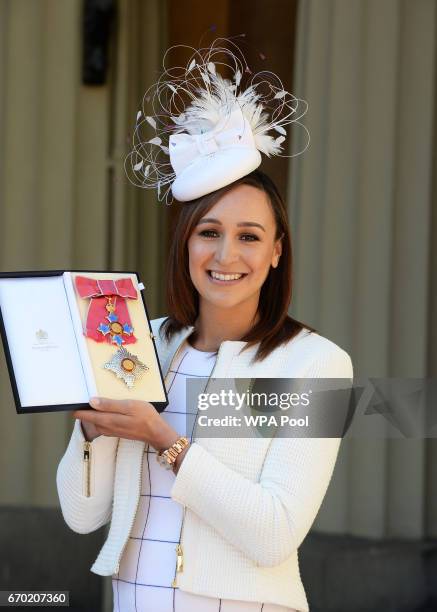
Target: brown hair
275,326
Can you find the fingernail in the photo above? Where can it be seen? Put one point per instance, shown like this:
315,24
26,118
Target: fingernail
94,402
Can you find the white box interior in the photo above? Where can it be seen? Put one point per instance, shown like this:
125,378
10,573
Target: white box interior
45,350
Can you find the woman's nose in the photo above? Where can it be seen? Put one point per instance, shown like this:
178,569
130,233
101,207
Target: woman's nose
227,252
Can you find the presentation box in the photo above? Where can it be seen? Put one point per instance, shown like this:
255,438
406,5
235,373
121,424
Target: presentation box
71,335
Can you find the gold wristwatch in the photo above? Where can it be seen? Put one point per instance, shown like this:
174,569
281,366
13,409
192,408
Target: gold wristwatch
167,457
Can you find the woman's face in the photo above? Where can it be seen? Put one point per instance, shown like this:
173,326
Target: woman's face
236,237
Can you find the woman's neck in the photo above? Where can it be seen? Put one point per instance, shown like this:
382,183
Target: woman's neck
215,325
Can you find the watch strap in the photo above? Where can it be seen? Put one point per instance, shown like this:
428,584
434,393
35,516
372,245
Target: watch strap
168,456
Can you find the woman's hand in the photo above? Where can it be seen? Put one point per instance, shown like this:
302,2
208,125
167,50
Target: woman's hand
131,419
90,431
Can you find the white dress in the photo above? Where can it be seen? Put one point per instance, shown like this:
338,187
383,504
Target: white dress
148,564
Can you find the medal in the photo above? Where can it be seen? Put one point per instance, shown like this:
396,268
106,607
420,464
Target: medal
114,328
108,320
126,366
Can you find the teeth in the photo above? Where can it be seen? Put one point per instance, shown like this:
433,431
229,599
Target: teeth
225,277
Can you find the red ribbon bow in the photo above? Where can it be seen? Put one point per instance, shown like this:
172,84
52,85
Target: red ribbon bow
98,291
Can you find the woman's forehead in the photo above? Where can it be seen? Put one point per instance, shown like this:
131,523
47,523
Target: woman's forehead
242,204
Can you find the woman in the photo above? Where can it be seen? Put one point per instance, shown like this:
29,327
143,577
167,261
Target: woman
249,503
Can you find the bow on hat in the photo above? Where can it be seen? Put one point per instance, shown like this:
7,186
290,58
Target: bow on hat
233,132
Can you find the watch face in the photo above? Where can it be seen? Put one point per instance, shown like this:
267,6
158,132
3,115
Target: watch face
162,460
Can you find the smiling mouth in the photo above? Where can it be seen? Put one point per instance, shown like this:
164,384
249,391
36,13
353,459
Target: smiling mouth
225,278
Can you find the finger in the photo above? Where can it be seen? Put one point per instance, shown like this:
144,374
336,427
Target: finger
102,431
107,424
90,416
78,414
141,406
105,404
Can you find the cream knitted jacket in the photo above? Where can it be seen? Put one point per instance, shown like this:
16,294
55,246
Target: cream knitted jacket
249,503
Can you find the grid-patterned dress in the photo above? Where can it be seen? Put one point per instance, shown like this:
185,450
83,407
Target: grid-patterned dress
148,564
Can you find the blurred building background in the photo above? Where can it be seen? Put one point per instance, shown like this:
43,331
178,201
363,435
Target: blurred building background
363,216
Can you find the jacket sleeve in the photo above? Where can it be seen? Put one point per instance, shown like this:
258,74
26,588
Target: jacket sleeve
81,513
266,520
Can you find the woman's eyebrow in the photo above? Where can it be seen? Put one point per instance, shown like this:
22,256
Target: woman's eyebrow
241,224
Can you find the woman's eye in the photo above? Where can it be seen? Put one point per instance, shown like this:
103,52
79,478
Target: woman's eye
249,237
207,233
213,234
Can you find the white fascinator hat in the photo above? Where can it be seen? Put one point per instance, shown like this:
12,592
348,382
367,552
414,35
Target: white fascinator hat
198,131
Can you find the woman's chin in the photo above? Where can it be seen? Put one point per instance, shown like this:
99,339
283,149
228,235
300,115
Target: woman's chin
220,299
